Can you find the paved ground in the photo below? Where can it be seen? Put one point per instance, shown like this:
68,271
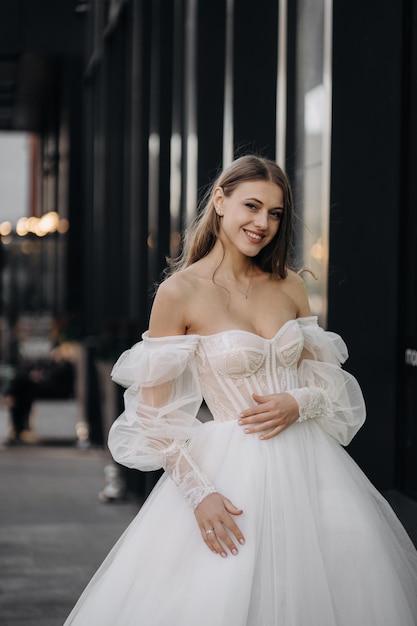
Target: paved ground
54,531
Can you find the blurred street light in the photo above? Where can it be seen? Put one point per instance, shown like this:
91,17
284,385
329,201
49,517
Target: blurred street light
40,226
5,229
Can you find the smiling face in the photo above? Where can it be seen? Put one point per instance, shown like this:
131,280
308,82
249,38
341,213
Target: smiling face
250,215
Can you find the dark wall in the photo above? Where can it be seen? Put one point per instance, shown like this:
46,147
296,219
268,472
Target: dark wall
45,26
407,352
38,42
50,27
366,214
254,76
210,91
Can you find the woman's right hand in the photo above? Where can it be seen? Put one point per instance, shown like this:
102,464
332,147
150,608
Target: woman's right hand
214,514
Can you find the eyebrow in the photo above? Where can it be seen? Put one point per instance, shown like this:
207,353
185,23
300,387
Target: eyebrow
281,208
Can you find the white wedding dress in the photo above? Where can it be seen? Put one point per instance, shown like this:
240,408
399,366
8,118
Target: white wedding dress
323,548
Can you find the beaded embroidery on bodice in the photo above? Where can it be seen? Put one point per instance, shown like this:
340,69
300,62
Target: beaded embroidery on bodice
234,364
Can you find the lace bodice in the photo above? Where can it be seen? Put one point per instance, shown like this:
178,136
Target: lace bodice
234,364
167,378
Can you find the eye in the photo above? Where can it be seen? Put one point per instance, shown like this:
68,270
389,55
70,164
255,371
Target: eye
251,206
277,214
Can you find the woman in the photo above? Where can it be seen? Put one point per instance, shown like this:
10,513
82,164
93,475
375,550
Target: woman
303,537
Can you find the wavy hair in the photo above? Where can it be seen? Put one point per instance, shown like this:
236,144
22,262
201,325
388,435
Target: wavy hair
202,234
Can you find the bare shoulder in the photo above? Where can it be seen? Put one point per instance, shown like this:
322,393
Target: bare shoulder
293,278
175,287
295,287
169,310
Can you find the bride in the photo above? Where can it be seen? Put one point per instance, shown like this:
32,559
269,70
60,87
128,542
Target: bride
261,517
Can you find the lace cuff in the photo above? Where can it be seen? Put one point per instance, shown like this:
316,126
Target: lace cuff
312,402
190,480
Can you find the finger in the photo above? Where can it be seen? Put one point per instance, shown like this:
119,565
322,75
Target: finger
205,534
256,416
265,425
213,542
223,535
255,410
274,432
224,539
230,522
235,530
267,422
259,398
217,537
231,508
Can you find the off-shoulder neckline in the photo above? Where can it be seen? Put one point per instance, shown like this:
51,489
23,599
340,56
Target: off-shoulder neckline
196,337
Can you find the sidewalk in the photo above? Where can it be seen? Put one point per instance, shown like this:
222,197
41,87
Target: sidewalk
54,532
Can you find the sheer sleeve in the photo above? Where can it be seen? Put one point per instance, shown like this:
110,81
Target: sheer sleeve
161,403
326,392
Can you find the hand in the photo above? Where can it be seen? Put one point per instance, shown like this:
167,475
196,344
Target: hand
214,513
273,413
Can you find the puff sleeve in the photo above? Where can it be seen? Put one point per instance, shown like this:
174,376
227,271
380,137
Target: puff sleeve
325,391
161,403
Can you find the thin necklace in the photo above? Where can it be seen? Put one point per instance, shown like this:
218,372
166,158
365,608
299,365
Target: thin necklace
244,293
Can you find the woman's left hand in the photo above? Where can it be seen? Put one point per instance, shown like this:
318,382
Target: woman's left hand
272,414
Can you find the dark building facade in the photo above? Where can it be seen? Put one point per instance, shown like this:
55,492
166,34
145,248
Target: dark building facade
162,93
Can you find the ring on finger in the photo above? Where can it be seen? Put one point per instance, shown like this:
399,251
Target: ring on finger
211,530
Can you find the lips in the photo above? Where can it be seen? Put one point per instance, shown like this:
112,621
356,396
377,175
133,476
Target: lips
254,237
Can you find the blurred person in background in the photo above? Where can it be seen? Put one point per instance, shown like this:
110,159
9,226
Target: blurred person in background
19,396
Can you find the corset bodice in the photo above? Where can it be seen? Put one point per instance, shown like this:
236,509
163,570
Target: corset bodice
234,364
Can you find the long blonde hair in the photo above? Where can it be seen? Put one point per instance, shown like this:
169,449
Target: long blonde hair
202,234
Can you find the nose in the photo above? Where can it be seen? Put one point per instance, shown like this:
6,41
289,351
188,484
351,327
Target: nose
261,220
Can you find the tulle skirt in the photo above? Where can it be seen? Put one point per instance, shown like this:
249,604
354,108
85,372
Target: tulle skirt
323,548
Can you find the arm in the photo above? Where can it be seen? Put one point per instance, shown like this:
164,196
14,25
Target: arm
325,392
161,403
168,317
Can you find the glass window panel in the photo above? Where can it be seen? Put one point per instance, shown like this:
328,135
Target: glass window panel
312,172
